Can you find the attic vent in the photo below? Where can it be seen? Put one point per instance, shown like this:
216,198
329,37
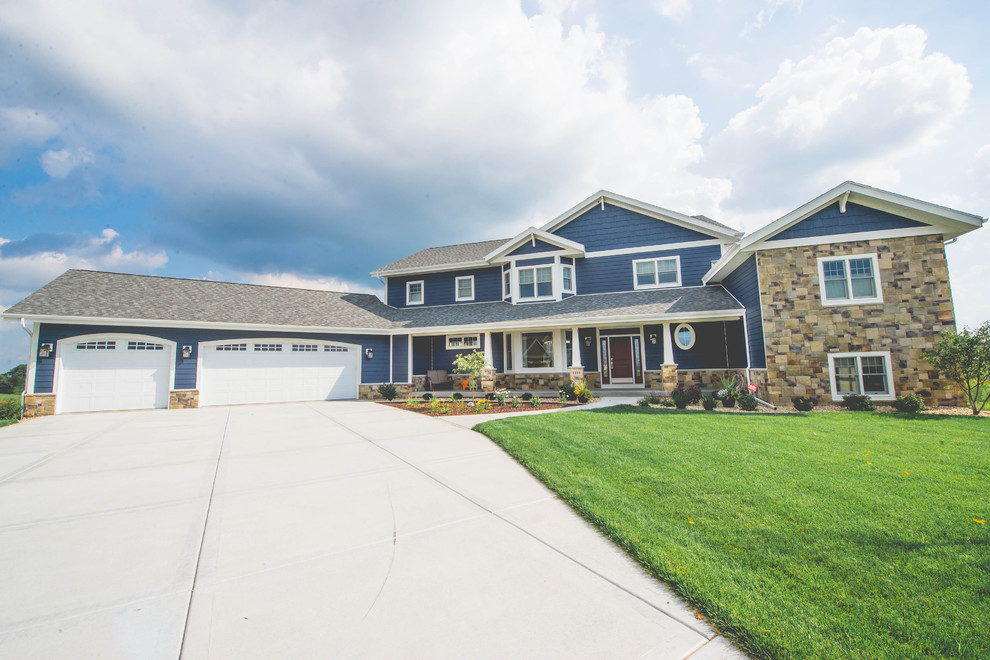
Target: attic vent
144,346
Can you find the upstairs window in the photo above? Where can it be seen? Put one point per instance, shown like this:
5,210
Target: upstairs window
849,280
568,272
456,342
464,287
536,282
506,283
414,293
657,273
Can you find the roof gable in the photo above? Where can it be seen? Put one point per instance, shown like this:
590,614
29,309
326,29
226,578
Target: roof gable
833,220
528,242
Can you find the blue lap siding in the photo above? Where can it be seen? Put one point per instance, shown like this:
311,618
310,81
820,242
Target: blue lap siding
717,345
615,273
830,221
744,284
528,248
400,359
439,288
616,228
374,370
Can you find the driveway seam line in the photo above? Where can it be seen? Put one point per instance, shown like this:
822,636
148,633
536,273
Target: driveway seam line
705,634
202,538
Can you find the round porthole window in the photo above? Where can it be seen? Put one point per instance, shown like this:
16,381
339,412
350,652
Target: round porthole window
684,336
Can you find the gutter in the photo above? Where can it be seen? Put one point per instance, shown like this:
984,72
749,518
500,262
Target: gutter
24,391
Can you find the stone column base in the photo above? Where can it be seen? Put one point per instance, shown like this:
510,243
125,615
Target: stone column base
39,405
183,399
669,376
488,380
577,374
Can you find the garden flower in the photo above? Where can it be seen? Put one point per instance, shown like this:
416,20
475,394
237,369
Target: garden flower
977,520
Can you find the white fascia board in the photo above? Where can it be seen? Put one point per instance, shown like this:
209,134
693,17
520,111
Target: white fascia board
646,209
665,247
569,247
730,257
597,321
205,325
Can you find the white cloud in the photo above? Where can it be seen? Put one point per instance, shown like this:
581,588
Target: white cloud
58,164
766,14
854,109
675,10
981,163
22,125
299,282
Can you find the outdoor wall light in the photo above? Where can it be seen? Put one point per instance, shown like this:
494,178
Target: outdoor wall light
653,338
44,350
186,352
587,341
369,353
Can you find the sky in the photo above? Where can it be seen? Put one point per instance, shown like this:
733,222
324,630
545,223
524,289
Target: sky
308,143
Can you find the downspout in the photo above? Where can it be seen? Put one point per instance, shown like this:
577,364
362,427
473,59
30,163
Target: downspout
31,355
746,337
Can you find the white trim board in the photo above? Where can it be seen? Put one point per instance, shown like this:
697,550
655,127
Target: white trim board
654,248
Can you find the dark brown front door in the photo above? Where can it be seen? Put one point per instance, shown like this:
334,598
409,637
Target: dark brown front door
620,353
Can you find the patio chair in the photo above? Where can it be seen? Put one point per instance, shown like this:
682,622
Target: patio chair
438,380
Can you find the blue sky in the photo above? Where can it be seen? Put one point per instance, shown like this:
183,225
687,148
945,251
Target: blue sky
308,143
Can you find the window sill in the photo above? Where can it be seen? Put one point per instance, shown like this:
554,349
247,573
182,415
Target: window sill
854,301
645,287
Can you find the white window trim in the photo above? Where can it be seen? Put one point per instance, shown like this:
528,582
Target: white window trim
475,346
457,288
563,287
660,285
422,292
507,283
559,353
849,301
889,396
518,286
677,340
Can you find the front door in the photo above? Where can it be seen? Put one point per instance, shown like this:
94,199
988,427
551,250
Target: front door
620,355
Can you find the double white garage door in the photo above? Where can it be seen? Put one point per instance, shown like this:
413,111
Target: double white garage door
128,372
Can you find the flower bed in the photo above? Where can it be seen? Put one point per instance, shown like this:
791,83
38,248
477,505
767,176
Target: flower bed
447,407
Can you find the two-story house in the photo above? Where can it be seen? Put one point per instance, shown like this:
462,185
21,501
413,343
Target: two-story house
842,295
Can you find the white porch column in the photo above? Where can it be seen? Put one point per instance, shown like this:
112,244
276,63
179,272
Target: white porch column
668,344
488,348
575,348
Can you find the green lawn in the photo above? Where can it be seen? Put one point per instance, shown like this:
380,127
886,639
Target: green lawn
835,535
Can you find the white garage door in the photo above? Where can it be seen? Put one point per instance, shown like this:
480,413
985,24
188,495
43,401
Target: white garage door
118,373
272,370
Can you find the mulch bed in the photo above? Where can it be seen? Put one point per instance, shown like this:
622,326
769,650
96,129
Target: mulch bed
463,409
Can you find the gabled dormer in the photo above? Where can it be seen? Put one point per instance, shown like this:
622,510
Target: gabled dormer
537,266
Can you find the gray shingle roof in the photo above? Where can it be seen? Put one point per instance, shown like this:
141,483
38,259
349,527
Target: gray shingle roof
99,295
444,256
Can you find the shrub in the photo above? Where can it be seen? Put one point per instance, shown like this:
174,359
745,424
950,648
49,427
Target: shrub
652,397
500,397
527,396
645,402
747,401
857,402
10,409
709,401
964,358
482,406
427,396
388,391
680,396
456,396
563,399
577,391
515,402
536,401
804,403
666,402
909,403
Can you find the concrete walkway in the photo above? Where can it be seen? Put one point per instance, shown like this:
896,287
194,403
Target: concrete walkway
312,530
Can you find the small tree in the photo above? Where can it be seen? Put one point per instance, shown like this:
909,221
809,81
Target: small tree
964,358
471,364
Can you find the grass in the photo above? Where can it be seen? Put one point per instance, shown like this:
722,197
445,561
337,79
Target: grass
847,535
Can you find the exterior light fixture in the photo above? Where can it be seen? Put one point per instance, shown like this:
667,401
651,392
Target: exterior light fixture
653,338
44,350
186,352
369,353
587,341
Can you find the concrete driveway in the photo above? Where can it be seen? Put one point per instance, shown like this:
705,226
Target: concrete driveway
313,530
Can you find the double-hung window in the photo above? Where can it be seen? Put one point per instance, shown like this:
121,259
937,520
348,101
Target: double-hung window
536,282
861,373
849,280
464,287
414,293
657,273
568,277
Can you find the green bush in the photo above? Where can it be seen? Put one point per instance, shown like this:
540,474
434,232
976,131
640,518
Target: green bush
427,396
388,391
651,398
909,403
709,401
515,402
804,403
747,401
10,409
857,402
666,402
536,401
527,396
456,396
681,396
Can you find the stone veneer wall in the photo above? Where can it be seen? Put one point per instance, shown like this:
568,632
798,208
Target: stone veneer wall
370,392
800,332
183,399
39,405
543,381
708,379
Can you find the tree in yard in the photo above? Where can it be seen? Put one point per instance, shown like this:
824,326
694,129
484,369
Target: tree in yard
12,382
471,364
964,358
